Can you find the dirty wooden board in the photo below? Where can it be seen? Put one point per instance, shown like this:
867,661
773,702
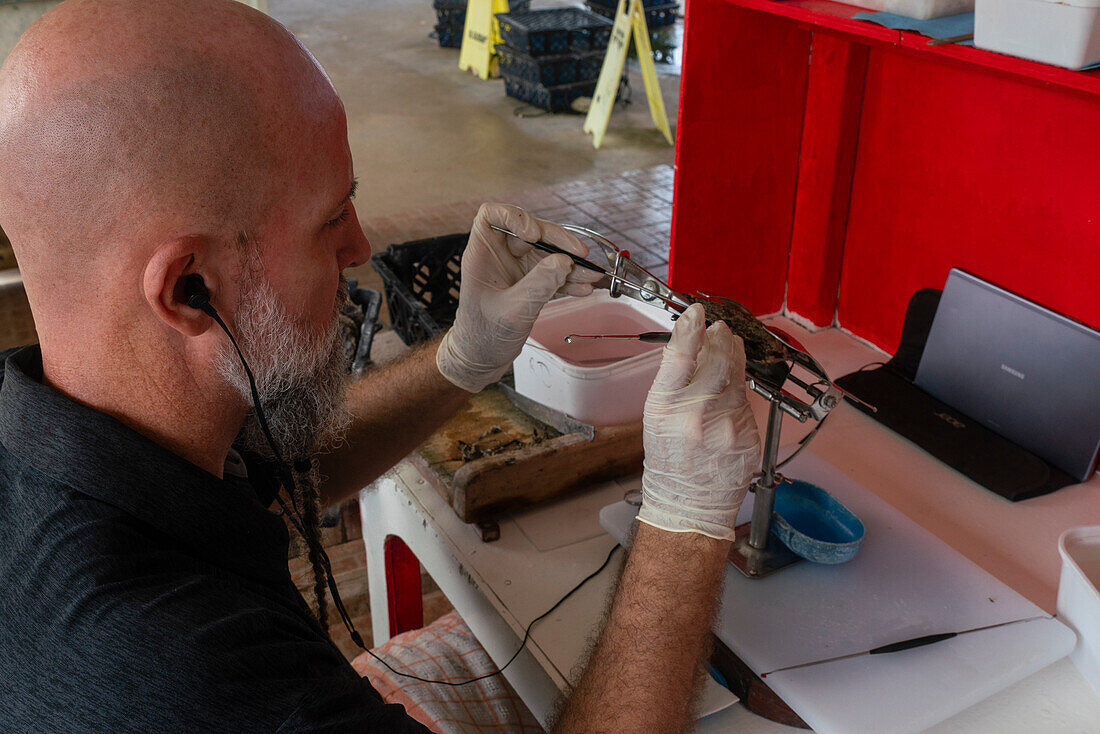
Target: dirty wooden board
474,423
537,462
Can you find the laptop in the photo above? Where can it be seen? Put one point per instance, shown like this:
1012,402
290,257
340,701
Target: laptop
1023,371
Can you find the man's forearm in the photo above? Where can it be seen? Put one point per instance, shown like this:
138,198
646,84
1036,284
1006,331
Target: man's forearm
393,411
643,673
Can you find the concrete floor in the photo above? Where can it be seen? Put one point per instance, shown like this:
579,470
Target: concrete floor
424,134
431,142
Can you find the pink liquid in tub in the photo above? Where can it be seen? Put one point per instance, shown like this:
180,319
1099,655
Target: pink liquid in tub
603,318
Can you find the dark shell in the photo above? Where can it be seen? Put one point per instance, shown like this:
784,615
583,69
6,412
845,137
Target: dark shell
761,346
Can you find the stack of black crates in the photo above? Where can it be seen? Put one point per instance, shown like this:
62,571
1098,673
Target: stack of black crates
551,57
451,19
658,13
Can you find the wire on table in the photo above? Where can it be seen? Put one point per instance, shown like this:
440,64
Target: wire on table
526,633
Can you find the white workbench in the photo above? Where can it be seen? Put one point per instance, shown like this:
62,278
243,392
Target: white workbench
500,587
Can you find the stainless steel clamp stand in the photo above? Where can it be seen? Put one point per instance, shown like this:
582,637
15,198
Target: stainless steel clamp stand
756,552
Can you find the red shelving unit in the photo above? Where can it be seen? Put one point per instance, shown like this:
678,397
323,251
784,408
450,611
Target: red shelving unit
833,167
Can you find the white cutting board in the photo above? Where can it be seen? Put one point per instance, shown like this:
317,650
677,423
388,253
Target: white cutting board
904,583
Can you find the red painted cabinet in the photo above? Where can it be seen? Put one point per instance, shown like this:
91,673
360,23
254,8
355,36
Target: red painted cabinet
832,167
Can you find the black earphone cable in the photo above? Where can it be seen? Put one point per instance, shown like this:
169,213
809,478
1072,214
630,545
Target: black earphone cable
210,311
522,644
198,297
288,479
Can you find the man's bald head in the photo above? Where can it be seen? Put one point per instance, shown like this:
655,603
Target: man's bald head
127,122
142,141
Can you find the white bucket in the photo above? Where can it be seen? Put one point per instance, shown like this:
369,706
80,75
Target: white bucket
1060,32
1079,597
601,382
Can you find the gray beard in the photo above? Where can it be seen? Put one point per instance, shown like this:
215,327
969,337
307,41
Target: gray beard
301,380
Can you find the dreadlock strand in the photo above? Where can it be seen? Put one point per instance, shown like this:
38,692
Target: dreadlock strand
308,501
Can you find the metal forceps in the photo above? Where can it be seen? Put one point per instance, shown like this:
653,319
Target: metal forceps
624,276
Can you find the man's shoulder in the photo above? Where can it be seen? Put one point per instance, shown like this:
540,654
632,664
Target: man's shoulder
73,561
45,521
165,651
150,637
5,354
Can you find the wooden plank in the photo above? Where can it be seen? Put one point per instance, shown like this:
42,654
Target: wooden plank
518,461
754,693
551,469
487,420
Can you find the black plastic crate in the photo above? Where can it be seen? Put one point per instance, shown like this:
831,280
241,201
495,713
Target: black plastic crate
450,14
590,65
558,98
656,16
614,4
515,6
421,280
662,15
447,36
549,70
554,31
451,19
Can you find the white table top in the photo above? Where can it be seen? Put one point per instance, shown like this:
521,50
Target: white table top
544,552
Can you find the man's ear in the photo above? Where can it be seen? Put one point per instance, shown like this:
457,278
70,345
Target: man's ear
163,283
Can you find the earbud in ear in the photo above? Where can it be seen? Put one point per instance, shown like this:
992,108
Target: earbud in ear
194,290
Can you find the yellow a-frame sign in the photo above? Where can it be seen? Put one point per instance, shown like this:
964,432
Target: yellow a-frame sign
630,14
479,35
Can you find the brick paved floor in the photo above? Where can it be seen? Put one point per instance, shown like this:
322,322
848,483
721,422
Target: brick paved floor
632,209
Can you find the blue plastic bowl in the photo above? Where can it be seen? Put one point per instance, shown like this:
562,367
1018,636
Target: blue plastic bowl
814,524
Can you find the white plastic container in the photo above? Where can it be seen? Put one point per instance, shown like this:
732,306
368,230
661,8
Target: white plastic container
919,9
1060,32
602,382
1079,597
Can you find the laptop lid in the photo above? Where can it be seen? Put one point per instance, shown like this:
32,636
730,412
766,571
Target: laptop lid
1017,368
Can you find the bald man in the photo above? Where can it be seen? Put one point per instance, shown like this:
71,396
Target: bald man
152,151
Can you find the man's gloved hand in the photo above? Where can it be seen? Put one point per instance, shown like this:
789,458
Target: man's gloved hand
701,442
505,283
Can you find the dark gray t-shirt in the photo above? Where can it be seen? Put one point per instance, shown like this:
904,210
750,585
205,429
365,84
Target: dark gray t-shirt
139,593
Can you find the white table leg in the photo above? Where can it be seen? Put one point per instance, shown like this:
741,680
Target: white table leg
386,509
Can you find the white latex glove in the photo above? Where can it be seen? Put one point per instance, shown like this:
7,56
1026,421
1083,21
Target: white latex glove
701,442
505,283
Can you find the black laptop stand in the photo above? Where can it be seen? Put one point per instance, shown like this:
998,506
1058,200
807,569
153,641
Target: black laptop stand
987,458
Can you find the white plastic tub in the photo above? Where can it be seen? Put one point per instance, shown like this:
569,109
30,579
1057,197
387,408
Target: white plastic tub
919,9
1079,597
1060,32
602,382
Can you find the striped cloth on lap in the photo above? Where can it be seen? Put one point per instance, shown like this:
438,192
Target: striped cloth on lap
447,650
